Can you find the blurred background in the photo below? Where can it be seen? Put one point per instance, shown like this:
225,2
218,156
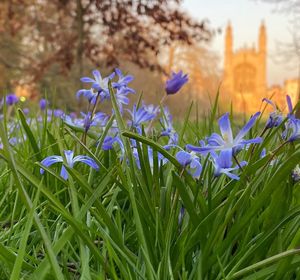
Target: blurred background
244,49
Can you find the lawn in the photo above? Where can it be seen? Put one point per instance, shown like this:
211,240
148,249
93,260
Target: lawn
128,196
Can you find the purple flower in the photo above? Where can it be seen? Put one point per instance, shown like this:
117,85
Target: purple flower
223,164
175,83
43,104
68,161
161,159
56,113
121,98
168,130
26,111
121,84
296,173
290,107
86,122
275,117
11,99
139,116
90,94
73,115
99,84
109,141
151,109
190,161
292,126
217,142
292,130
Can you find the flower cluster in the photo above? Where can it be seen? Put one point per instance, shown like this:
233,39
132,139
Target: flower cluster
100,88
222,149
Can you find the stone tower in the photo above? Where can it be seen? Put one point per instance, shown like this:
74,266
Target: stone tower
244,80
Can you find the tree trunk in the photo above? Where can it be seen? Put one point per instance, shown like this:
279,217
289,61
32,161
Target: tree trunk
80,43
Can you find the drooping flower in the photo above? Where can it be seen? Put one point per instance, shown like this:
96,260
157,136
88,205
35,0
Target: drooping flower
292,125
223,163
292,130
176,82
217,142
190,161
275,117
11,99
69,161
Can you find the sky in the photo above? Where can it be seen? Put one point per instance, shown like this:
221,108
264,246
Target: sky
245,17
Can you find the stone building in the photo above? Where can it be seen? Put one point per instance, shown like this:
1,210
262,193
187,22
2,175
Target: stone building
244,80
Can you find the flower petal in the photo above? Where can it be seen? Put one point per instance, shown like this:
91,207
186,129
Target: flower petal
87,80
289,103
183,158
97,76
49,161
197,167
87,160
246,128
64,173
224,159
225,128
69,157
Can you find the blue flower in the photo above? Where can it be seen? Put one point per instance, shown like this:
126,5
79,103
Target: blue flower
296,173
90,94
226,141
99,87
11,99
292,130
121,98
26,111
98,83
86,122
176,82
292,125
151,109
168,130
69,162
290,107
43,104
275,117
190,160
223,164
56,113
161,159
109,141
123,81
139,116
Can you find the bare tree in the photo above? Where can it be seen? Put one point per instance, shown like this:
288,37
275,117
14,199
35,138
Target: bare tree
289,52
58,35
